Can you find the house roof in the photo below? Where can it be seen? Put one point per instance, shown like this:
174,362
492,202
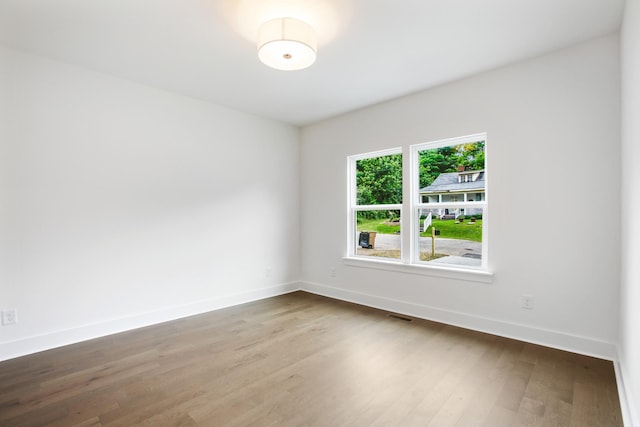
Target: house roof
448,182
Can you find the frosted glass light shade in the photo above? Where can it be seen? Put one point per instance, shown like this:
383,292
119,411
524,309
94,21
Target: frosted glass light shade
287,44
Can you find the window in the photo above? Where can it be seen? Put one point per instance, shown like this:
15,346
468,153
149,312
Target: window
451,188
376,205
442,220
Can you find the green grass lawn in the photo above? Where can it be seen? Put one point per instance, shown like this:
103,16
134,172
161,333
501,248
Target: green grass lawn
448,228
379,225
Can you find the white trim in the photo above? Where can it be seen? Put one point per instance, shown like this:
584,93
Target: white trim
451,205
468,274
372,154
546,337
627,407
390,207
416,203
406,232
352,206
37,343
351,201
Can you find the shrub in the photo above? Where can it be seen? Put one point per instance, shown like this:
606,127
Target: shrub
393,217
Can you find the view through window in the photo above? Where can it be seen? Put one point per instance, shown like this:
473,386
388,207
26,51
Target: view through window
444,219
378,205
451,202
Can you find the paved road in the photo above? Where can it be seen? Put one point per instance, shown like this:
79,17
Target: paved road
461,252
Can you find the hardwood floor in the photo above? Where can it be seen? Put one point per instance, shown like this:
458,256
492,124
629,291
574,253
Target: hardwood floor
302,360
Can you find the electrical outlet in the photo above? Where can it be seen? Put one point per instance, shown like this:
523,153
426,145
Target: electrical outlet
267,272
332,272
527,302
9,316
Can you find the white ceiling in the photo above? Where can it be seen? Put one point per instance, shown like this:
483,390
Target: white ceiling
368,50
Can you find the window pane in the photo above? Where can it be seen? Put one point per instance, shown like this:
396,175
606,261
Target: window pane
378,233
379,180
456,241
452,174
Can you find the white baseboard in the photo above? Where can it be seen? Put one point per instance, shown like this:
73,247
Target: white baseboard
549,338
629,411
34,344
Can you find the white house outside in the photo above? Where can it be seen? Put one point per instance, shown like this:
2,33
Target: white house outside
454,187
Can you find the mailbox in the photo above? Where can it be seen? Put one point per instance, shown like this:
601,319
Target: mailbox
364,240
367,239
436,232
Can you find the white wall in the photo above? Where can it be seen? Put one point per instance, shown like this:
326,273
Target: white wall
4,183
555,118
629,352
124,205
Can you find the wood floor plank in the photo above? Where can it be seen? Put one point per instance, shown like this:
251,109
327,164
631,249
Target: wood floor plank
490,378
304,360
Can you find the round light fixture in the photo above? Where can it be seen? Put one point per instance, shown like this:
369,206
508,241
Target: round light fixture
287,44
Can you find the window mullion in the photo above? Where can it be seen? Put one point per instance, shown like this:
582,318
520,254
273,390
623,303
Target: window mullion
408,213
377,207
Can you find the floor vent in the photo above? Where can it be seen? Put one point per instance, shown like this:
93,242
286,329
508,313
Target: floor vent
399,317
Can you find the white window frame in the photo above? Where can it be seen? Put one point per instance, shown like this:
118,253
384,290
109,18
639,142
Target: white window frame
409,214
352,225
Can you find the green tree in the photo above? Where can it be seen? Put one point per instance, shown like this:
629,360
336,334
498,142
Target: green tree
379,181
435,161
471,156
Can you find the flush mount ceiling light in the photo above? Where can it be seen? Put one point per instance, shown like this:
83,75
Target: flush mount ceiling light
287,44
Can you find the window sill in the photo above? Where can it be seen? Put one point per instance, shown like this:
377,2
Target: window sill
424,270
